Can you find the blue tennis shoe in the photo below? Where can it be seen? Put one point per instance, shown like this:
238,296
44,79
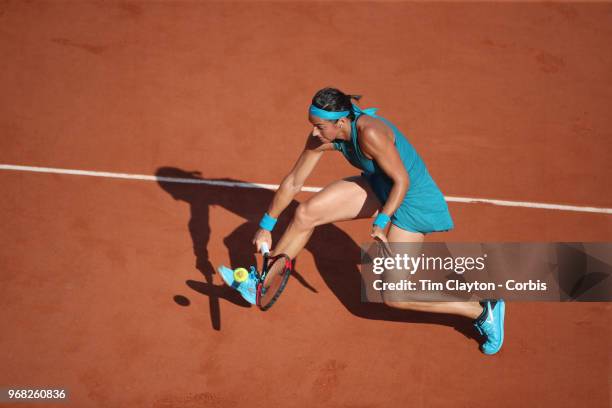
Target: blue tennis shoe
491,325
248,288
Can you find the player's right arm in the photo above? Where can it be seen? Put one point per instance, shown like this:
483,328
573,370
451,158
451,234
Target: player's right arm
295,179
293,182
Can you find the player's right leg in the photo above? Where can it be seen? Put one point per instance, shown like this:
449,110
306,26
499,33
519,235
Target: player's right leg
347,199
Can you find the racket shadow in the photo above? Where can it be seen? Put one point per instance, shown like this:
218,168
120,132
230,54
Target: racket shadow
341,274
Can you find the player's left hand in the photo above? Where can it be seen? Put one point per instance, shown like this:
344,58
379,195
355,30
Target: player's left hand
379,234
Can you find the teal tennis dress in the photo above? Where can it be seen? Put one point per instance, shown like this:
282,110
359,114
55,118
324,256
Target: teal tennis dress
424,208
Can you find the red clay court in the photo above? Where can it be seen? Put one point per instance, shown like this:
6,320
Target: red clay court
107,284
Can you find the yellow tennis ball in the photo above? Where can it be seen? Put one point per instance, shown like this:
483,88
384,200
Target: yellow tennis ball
240,274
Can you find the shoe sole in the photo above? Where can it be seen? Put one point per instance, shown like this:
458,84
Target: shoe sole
221,271
249,297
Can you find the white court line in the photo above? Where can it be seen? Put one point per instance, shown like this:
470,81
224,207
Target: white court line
503,203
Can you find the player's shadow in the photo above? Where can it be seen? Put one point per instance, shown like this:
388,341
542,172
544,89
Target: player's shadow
336,255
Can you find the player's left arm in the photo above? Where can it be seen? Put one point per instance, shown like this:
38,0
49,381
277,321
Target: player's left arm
377,145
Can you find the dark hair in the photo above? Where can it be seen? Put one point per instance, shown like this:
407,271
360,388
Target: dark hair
334,100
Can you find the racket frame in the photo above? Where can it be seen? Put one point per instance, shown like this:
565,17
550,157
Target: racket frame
288,267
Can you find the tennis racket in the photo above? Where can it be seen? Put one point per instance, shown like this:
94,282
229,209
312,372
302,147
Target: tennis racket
273,278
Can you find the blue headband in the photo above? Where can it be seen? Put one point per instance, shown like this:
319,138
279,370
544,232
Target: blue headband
323,114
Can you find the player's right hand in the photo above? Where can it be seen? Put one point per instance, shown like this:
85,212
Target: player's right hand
262,236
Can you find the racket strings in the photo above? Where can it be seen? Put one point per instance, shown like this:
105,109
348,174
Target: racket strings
275,280
275,268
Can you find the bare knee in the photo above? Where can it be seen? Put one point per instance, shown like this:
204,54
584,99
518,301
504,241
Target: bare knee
305,217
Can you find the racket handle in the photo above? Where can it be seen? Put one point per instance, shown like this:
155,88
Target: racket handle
264,249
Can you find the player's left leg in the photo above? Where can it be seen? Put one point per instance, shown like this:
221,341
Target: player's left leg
488,316
468,309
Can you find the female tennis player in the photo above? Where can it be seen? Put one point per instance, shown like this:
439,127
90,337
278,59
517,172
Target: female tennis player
394,187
